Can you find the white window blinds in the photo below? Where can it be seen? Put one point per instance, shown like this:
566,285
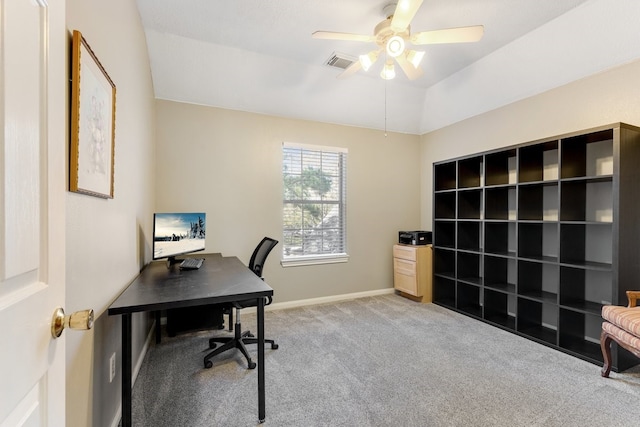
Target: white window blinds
314,204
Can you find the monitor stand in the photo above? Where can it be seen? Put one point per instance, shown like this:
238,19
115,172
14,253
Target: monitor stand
172,260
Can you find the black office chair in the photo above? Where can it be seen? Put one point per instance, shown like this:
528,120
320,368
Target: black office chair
240,339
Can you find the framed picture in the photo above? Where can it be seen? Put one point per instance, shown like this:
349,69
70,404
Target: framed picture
93,123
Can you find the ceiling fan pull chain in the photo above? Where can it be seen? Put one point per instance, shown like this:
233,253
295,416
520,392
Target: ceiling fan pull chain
385,108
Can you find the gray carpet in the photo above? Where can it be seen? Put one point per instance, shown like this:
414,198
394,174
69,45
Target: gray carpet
381,361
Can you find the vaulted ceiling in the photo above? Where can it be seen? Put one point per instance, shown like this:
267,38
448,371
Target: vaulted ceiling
259,56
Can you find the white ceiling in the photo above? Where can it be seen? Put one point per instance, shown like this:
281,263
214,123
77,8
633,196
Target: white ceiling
258,55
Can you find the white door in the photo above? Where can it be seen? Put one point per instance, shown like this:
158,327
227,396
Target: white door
33,52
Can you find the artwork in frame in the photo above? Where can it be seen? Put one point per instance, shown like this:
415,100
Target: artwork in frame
93,116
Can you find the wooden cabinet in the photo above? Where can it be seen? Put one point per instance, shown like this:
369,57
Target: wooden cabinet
412,271
535,238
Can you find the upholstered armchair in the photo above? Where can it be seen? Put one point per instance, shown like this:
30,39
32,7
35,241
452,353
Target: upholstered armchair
622,325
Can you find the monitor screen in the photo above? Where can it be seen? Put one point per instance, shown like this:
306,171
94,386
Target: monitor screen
178,234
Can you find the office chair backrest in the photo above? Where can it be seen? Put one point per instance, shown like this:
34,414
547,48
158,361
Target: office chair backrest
260,254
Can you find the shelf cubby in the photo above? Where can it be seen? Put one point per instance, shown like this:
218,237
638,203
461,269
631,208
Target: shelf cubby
579,333
586,245
538,162
587,200
470,172
500,203
501,167
500,238
444,234
538,280
444,262
445,205
585,289
444,291
444,176
538,241
537,320
468,299
470,204
469,268
587,155
500,308
538,202
469,235
500,273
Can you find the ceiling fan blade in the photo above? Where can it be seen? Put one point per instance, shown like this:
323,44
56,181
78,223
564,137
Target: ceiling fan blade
330,35
404,13
410,71
351,69
450,35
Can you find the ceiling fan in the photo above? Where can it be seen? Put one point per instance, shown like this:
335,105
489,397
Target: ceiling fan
392,36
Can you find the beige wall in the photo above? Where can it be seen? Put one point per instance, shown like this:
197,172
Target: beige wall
107,241
609,97
229,163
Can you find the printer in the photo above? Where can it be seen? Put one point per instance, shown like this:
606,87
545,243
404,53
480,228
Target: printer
415,237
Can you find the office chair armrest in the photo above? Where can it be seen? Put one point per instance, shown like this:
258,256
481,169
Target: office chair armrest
251,303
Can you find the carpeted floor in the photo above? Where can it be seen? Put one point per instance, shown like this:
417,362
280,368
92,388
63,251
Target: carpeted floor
381,361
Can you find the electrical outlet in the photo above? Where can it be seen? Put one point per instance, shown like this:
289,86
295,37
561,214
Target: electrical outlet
112,367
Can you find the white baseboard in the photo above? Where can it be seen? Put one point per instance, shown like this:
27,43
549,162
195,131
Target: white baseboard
143,353
324,300
116,420
321,300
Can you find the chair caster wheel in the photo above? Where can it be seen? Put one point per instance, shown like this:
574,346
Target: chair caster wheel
252,365
274,346
208,364
212,343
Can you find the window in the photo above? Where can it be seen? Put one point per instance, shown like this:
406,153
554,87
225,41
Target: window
314,204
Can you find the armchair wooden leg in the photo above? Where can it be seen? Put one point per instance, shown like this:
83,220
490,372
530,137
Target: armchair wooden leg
605,345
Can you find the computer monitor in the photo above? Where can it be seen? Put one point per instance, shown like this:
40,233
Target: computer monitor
178,234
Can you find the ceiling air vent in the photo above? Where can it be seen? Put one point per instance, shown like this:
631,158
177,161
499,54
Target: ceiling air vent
340,60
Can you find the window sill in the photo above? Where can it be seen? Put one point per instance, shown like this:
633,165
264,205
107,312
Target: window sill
314,260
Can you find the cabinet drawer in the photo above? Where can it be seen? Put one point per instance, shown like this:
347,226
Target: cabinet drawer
405,276
405,252
407,268
407,284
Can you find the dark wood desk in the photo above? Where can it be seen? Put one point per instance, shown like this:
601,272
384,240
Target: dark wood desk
219,280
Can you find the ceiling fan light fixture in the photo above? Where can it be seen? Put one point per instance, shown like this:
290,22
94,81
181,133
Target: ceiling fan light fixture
415,57
368,60
388,71
395,46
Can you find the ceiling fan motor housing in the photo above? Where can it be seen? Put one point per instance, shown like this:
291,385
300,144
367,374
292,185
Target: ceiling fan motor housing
383,32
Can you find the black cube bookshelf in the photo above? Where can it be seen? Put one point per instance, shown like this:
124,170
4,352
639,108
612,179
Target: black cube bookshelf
535,238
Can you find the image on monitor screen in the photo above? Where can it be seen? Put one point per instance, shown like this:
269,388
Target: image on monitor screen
178,234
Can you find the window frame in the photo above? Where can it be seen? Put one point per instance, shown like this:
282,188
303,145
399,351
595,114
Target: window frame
317,258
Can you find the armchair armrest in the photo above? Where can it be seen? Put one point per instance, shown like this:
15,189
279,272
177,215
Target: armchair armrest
633,296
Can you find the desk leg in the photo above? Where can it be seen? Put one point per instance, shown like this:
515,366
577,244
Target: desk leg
261,405
126,370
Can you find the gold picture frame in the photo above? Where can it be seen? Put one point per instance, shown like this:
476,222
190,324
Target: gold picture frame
93,123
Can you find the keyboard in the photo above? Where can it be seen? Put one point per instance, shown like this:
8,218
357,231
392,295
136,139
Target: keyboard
191,263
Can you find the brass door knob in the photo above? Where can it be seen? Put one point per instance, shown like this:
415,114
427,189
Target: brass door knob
79,320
